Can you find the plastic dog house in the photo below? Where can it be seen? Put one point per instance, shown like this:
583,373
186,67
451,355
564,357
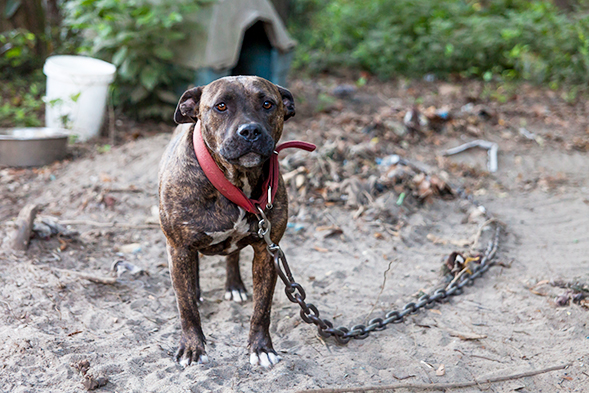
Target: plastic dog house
236,37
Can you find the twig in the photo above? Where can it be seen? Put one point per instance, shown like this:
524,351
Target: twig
128,189
90,277
479,233
8,307
438,386
384,281
477,356
108,224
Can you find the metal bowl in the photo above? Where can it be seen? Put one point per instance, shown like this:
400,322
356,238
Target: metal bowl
23,147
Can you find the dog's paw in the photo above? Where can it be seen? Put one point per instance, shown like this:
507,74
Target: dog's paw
189,353
264,359
186,361
237,295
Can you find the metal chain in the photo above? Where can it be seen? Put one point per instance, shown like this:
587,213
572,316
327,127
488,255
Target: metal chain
310,314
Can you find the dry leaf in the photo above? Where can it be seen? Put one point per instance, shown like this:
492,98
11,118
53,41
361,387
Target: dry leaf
105,178
320,249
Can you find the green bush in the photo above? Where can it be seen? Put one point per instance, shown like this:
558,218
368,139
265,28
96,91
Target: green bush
21,103
17,52
530,40
137,36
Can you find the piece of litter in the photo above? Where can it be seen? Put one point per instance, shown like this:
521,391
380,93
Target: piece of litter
132,248
121,268
46,227
441,370
400,199
527,134
388,161
297,227
492,148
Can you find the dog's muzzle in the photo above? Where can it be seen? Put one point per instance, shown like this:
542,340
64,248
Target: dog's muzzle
250,145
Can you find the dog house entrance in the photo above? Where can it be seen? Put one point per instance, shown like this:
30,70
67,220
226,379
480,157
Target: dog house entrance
255,56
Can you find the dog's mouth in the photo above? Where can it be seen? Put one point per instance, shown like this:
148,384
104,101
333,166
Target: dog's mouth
244,154
250,160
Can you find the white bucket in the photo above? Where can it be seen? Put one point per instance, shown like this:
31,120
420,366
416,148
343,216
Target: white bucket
77,90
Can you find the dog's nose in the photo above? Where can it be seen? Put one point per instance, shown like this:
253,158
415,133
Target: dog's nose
250,132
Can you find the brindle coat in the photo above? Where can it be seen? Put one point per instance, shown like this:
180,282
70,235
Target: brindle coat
241,121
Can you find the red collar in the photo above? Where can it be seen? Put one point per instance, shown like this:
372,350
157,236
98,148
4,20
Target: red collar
231,192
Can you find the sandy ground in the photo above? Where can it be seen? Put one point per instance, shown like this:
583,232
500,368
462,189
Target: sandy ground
51,318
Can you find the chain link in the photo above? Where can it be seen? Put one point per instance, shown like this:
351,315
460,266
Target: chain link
310,314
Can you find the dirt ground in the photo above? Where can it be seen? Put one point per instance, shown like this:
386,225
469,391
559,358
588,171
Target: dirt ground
358,248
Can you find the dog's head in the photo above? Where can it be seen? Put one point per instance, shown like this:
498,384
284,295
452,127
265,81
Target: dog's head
241,117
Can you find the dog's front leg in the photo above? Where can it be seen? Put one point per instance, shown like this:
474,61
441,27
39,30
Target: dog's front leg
184,271
264,277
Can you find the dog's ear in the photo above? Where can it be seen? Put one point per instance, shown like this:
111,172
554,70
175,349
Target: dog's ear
288,101
187,109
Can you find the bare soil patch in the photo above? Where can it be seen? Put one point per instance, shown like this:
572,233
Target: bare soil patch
354,242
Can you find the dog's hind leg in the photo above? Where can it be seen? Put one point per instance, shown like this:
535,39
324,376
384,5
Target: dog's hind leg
234,288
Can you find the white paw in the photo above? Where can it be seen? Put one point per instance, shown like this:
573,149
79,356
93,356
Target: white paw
185,361
236,296
264,359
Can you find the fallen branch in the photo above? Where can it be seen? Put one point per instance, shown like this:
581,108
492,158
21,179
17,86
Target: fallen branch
129,189
19,240
108,224
90,277
438,386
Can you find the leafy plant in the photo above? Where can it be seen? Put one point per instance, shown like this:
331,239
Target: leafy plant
500,39
17,52
137,36
21,103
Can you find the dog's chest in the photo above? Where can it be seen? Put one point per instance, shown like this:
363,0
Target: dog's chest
227,241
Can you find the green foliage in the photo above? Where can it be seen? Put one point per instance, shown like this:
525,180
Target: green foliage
17,52
506,39
21,104
136,36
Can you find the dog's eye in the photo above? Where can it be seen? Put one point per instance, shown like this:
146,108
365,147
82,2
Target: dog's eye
221,107
268,105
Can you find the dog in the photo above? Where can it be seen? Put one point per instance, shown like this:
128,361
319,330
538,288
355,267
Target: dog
241,120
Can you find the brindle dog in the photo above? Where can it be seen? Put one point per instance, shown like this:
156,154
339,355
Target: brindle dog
241,121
